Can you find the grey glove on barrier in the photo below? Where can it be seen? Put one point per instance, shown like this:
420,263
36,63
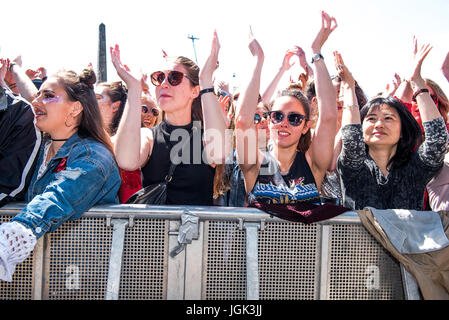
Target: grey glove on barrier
187,231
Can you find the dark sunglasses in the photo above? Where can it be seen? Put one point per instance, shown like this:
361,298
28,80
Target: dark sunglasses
258,118
293,118
154,111
174,78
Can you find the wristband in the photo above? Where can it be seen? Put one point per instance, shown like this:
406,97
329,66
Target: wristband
418,93
207,90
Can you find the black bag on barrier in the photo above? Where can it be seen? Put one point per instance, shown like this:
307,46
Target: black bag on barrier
155,193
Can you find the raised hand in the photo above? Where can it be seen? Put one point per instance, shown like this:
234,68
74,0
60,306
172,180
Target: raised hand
328,25
254,46
122,70
392,87
419,54
207,71
343,71
145,86
286,65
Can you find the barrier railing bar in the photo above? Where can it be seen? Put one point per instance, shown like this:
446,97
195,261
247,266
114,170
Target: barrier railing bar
324,263
115,258
175,266
138,211
38,269
252,260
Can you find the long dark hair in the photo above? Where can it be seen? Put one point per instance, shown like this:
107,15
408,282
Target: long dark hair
81,88
411,135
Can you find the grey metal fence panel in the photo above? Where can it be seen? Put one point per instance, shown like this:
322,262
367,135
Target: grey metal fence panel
225,261
144,267
77,260
288,261
359,268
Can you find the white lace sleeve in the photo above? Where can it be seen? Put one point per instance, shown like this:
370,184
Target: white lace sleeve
16,244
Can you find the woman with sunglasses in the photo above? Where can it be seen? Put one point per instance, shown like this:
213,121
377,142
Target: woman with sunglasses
75,169
380,165
178,95
150,112
292,171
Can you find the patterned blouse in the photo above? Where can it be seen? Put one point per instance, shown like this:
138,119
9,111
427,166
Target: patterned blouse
363,184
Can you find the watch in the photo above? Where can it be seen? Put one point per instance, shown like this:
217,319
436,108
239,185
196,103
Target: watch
317,57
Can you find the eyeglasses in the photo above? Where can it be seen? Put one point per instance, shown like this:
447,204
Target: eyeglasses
174,78
258,117
293,118
154,111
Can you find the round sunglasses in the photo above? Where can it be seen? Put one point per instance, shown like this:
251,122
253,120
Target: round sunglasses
174,78
258,118
154,111
293,118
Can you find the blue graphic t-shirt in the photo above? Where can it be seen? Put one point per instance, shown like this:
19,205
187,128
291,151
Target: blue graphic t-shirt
297,186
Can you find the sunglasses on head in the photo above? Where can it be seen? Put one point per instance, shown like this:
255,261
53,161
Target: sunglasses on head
154,111
258,118
174,78
293,118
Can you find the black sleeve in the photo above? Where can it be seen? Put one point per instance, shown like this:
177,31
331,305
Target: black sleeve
19,145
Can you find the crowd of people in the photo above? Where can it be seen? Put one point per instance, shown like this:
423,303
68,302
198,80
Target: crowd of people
68,143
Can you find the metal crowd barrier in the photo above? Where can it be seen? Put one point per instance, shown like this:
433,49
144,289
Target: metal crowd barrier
124,252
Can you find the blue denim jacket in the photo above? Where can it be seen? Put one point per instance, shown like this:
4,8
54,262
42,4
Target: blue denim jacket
90,177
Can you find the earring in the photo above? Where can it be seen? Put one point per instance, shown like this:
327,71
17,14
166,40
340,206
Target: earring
70,124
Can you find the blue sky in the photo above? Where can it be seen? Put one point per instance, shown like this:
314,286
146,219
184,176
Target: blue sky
374,37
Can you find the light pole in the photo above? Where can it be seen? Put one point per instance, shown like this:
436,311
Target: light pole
192,37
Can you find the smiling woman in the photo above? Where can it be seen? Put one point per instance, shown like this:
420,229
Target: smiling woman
290,172
75,168
382,164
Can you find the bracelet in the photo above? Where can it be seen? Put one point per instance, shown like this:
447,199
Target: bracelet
207,90
351,106
418,93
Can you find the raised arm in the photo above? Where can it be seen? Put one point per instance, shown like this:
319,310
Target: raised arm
24,84
214,122
130,146
350,112
321,149
286,65
426,106
248,154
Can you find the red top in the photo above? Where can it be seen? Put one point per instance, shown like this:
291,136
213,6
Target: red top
131,183
413,108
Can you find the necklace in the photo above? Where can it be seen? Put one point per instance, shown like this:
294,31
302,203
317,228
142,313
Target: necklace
59,139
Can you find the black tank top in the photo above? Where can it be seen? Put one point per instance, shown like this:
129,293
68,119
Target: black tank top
192,182
297,186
